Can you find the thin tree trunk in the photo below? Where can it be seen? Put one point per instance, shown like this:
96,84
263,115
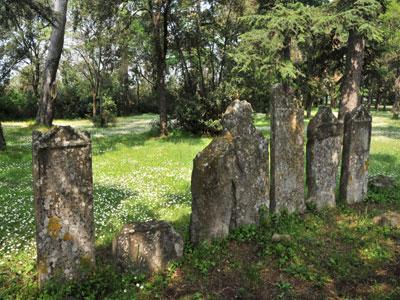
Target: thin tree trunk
370,97
45,113
350,98
2,139
36,80
160,32
94,103
309,104
396,104
378,98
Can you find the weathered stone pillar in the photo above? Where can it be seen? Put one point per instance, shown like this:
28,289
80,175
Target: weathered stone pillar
355,157
63,188
323,148
287,152
230,177
2,139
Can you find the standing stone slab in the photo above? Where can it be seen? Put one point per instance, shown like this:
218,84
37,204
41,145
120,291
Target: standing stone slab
2,139
230,177
323,147
63,188
355,156
287,152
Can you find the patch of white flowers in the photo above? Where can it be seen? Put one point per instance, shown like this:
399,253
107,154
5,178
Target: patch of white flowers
140,192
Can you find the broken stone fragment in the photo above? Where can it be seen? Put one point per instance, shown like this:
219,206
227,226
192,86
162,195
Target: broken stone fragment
147,247
381,182
278,238
391,219
230,177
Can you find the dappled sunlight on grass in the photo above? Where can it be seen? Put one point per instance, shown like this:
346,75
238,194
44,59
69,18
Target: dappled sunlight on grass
138,177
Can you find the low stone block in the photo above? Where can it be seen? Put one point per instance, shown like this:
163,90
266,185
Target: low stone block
147,247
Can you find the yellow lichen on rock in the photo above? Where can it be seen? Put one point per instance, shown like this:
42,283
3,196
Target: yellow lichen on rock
228,136
54,227
68,237
42,267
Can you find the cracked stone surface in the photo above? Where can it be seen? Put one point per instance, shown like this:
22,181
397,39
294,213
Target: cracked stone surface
287,152
230,177
147,247
322,163
63,189
355,156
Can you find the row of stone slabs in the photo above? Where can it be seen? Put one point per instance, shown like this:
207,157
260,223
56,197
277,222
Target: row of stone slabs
230,183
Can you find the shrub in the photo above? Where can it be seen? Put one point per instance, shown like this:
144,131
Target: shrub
16,104
202,115
107,113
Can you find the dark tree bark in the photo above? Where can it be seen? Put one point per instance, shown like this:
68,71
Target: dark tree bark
350,98
2,139
378,97
308,104
396,104
46,104
160,13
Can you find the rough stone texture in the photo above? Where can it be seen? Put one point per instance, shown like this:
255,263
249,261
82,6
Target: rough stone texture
2,139
63,188
391,219
230,177
355,157
322,164
381,182
287,152
147,247
281,238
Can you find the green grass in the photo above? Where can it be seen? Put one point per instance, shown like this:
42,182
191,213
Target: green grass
137,177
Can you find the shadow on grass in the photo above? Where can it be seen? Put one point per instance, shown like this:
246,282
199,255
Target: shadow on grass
178,136
385,164
387,131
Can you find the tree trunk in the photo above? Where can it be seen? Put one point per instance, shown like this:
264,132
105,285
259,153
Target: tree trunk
396,104
160,32
350,98
45,113
378,98
2,139
308,104
94,103
370,97
36,80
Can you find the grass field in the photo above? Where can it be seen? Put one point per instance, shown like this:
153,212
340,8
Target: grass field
336,253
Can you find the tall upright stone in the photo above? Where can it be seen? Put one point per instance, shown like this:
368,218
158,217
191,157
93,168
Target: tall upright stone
355,156
63,188
2,139
230,177
323,147
287,152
